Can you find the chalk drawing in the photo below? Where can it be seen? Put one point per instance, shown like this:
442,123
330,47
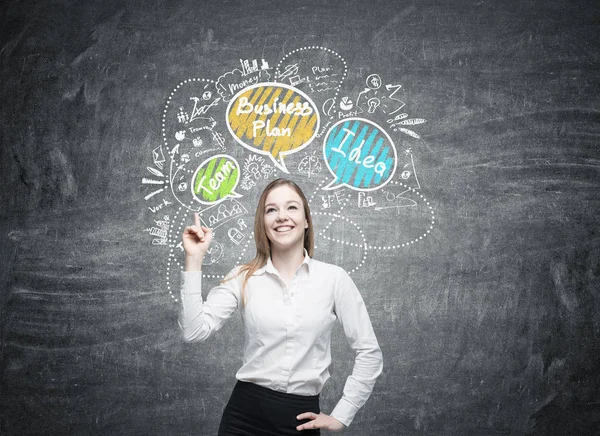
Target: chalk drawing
357,144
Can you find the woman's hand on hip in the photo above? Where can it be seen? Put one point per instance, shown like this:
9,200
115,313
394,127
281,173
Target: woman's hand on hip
319,421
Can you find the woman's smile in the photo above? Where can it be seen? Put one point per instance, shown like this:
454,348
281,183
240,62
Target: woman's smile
284,217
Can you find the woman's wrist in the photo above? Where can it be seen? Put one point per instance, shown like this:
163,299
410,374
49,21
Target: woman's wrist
193,262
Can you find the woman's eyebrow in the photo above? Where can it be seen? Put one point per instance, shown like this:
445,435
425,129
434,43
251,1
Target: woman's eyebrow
287,202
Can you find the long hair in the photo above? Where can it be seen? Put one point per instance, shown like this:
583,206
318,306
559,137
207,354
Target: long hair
263,245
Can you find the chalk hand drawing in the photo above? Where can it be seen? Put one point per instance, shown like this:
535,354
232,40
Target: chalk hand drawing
225,212
344,109
373,103
318,71
270,114
365,200
234,81
154,183
219,140
408,172
395,201
367,98
214,253
331,200
346,104
371,99
255,168
290,74
160,206
242,224
309,166
378,98
160,230
235,235
284,122
373,81
359,154
200,108
158,157
215,179
393,108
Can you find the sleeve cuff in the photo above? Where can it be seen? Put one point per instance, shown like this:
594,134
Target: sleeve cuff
344,412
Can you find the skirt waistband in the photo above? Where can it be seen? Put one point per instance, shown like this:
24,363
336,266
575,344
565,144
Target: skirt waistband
273,394
255,410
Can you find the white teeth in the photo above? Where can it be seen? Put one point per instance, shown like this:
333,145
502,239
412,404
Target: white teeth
283,229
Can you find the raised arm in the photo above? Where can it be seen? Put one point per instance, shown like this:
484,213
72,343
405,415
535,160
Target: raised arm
199,319
196,240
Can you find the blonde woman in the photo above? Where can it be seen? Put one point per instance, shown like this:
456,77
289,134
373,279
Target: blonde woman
289,303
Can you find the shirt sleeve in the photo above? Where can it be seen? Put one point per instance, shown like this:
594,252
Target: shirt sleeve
199,319
368,364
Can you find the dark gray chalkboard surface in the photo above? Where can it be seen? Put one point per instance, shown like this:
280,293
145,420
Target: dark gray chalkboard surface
475,241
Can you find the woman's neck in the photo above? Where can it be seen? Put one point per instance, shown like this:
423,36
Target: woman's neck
287,262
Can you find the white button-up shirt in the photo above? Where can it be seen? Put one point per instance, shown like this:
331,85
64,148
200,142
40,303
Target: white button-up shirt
287,329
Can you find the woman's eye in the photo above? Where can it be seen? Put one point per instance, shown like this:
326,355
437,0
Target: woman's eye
271,209
293,207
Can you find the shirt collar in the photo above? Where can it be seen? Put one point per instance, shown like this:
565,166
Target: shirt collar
270,268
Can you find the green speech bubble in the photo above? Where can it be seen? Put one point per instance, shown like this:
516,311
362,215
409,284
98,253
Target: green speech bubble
215,179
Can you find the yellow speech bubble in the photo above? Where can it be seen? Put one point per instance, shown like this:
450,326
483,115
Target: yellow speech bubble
273,119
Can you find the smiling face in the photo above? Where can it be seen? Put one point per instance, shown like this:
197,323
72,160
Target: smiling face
284,219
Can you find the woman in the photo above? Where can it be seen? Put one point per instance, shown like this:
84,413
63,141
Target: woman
289,303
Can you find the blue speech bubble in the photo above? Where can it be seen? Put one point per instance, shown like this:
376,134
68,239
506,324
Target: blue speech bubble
359,154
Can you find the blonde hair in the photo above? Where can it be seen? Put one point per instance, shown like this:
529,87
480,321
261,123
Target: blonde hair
263,245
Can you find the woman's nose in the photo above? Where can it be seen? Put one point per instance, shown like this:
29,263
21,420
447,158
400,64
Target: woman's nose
281,215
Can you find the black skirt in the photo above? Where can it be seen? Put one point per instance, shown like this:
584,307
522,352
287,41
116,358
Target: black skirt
254,410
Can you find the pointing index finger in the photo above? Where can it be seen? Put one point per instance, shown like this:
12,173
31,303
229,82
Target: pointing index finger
197,220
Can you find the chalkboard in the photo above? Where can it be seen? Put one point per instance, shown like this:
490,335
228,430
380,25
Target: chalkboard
450,154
